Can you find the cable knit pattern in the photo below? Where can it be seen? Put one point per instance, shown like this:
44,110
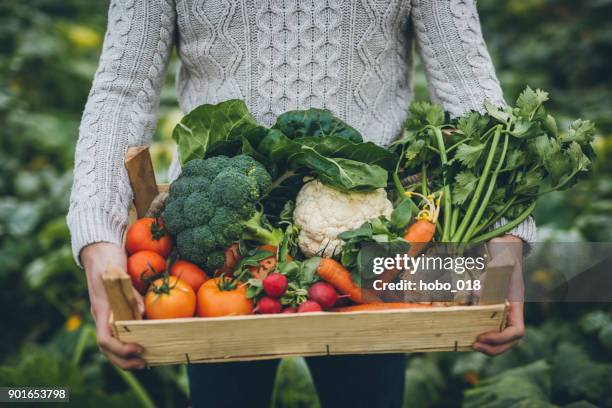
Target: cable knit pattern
351,57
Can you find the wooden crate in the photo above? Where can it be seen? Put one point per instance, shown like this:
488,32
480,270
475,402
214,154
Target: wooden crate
257,337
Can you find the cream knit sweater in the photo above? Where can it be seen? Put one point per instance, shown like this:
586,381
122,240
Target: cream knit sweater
351,57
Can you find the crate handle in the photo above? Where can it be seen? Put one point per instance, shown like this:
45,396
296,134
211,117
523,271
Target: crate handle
497,281
120,294
140,171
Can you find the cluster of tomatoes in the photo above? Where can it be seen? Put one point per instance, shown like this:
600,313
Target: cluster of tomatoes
177,288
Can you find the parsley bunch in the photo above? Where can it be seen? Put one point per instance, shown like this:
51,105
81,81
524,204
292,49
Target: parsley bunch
492,165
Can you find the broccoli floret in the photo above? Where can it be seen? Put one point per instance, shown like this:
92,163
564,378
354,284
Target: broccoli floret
214,204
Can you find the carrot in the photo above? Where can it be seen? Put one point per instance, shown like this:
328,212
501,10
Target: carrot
421,232
339,277
381,306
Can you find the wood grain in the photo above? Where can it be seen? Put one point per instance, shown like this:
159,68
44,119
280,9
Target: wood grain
142,178
497,279
243,338
120,294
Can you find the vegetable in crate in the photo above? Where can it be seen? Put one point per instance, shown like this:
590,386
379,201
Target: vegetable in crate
143,267
323,212
213,204
189,273
168,298
491,166
223,297
148,234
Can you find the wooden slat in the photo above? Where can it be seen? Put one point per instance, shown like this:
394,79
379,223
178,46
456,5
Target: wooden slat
243,338
120,294
497,279
142,178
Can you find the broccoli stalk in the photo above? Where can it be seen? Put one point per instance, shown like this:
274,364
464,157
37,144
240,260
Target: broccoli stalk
254,230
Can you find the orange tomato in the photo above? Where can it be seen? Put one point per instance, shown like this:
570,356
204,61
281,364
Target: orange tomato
223,297
266,265
169,298
189,273
144,266
148,234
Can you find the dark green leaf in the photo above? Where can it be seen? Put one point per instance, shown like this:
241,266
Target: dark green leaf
315,123
401,215
208,125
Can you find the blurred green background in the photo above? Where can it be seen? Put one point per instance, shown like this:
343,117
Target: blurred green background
48,53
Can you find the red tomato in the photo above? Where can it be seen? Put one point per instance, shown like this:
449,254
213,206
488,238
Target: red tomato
144,266
148,234
189,273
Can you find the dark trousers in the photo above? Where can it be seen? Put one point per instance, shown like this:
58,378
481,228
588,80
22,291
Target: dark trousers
369,381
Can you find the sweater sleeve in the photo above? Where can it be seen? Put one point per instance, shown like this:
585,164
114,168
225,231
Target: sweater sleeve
120,112
458,66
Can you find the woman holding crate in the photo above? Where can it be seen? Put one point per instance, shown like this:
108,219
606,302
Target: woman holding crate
353,58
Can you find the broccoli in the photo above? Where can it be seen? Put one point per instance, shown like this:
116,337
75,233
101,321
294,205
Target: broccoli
216,202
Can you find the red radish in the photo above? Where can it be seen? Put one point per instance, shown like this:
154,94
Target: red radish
275,285
268,305
324,294
290,309
309,306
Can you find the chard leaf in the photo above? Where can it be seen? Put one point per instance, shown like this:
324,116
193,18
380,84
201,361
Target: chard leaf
465,183
368,152
581,131
315,123
529,101
209,126
469,154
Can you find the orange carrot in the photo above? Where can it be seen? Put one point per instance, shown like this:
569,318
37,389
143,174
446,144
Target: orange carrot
420,233
339,277
381,306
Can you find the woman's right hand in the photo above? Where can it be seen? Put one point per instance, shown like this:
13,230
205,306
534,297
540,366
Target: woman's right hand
95,259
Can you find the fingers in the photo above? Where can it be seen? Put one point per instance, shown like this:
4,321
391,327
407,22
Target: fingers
123,355
510,334
494,350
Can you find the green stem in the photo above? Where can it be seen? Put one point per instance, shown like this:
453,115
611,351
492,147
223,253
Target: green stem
136,387
276,183
489,193
506,227
424,180
80,345
479,187
454,221
446,191
401,191
496,217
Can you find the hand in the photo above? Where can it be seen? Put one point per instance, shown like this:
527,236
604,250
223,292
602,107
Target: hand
96,258
494,343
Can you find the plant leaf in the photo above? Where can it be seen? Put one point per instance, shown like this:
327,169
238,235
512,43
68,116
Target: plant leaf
465,183
315,123
469,154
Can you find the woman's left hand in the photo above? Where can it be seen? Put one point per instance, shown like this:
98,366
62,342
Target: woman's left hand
494,343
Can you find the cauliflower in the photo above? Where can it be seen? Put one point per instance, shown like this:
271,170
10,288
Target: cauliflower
322,213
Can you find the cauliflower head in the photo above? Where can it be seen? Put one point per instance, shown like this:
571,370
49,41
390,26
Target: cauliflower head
322,213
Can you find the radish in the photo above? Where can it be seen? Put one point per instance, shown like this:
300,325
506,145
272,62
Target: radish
324,294
290,309
309,306
275,285
268,305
